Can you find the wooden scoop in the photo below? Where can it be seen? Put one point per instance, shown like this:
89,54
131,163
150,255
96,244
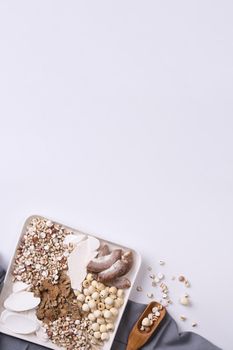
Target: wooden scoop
137,337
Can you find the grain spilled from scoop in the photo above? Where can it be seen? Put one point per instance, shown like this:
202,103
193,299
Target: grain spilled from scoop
139,337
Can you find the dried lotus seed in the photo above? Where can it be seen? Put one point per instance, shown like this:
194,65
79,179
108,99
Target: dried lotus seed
108,307
113,296
87,299
89,277
81,297
95,296
103,328
120,293
100,320
109,320
95,327
157,313
113,290
184,300
110,326
120,300
104,336
97,313
85,308
146,322
97,335
77,292
150,316
91,289
92,304
117,303
108,301
100,286
91,317
103,293
86,291
107,314
114,311
101,306
94,283
86,283
154,309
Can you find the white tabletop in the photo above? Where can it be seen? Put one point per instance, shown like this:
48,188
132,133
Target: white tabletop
116,117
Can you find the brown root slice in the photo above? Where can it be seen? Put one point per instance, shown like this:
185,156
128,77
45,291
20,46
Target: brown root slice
119,283
104,262
104,250
118,269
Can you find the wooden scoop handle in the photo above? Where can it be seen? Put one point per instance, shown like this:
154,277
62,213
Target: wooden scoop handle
138,338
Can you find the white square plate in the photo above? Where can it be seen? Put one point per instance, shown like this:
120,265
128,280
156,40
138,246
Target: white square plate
7,289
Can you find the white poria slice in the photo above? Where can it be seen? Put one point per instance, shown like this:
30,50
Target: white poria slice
4,314
20,324
42,335
21,301
20,286
32,315
78,260
91,256
74,238
77,264
93,243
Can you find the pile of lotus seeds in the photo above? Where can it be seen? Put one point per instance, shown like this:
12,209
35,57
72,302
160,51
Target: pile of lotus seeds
100,304
152,317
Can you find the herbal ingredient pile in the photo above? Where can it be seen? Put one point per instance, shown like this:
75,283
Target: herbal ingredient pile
158,281
68,288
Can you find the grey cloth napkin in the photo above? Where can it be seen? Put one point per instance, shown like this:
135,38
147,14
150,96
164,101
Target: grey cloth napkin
166,337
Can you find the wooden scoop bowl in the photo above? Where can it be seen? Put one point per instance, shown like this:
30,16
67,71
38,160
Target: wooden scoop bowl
138,338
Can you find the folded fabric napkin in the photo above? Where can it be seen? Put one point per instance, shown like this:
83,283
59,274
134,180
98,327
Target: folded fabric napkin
166,337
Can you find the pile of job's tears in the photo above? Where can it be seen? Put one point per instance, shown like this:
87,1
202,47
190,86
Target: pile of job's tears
160,291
